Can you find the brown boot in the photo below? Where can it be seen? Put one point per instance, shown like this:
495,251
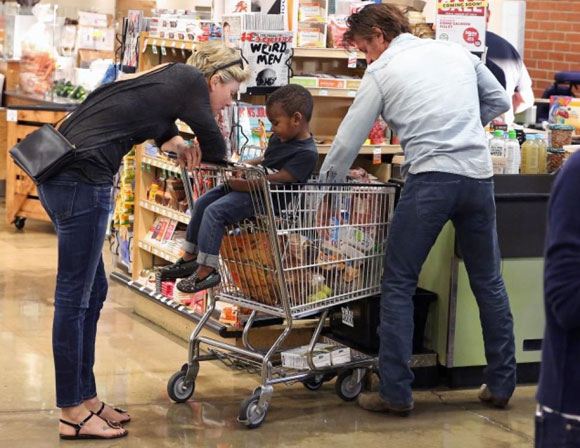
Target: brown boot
372,401
485,396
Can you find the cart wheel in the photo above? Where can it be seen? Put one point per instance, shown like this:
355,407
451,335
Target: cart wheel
251,414
314,382
346,387
177,390
19,222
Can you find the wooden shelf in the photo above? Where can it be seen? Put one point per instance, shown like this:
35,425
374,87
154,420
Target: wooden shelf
366,149
333,93
148,41
160,163
164,211
159,251
324,53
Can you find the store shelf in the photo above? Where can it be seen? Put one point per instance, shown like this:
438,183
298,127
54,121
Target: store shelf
324,53
164,211
333,93
212,324
159,251
149,41
161,163
366,150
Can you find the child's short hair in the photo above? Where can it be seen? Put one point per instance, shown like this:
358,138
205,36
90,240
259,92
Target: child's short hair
293,98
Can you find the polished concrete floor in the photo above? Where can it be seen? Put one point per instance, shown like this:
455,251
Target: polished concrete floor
135,359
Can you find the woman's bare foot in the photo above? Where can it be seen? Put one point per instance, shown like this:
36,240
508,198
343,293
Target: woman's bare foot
107,412
94,426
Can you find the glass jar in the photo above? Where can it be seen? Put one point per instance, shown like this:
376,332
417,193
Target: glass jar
555,159
561,134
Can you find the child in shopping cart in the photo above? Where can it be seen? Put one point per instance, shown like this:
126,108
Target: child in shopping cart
291,157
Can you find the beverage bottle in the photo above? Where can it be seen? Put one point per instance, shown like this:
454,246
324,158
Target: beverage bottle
542,145
513,153
497,150
529,155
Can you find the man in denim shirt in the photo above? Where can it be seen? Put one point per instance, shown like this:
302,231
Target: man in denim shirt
437,97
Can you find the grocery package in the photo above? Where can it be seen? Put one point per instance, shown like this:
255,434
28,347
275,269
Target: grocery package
324,355
336,29
38,62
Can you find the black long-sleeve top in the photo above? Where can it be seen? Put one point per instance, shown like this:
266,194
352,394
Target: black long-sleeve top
117,116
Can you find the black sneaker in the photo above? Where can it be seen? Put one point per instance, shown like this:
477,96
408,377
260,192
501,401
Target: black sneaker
179,269
193,284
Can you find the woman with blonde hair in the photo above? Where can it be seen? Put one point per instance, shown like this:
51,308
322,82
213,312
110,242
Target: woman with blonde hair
104,128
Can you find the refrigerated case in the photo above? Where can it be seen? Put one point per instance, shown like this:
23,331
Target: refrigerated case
454,329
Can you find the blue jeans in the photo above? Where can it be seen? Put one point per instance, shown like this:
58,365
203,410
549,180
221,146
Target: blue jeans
212,212
555,431
80,214
428,201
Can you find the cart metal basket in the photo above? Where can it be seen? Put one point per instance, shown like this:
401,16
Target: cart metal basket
309,247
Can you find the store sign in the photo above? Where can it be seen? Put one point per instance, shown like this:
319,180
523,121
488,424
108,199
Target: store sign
463,22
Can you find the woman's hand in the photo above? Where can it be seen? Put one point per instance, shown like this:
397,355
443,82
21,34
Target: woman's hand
189,156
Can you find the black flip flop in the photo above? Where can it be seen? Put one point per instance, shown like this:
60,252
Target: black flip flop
119,410
79,426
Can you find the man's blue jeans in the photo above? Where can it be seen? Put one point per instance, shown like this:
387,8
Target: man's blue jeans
79,212
212,212
428,201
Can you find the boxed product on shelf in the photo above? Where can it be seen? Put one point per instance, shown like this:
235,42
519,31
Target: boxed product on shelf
311,35
336,28
305,81
324,355
331,83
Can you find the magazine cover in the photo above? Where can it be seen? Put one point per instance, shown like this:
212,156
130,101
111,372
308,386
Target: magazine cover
254,130
268,55
261,6
232,26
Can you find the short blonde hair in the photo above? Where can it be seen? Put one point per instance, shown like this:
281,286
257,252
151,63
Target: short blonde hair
211,55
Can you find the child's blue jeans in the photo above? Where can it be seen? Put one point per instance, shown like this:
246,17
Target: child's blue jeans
213,211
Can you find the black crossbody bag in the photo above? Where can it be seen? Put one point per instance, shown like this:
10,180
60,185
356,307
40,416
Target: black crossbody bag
42,153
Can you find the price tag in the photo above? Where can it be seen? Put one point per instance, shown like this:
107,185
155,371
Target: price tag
145,45
352,58
173,52
351,93
163,49
377,155
154,48
323,92
12,116
183,50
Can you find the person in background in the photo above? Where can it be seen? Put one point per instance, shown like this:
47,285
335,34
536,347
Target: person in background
558,412
448,173
506,64
78,199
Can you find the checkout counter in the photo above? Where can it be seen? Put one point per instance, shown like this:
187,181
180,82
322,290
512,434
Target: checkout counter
453,329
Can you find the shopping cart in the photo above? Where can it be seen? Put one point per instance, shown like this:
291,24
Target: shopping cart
310,247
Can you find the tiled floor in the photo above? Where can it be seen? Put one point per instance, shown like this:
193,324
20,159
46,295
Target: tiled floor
135,359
